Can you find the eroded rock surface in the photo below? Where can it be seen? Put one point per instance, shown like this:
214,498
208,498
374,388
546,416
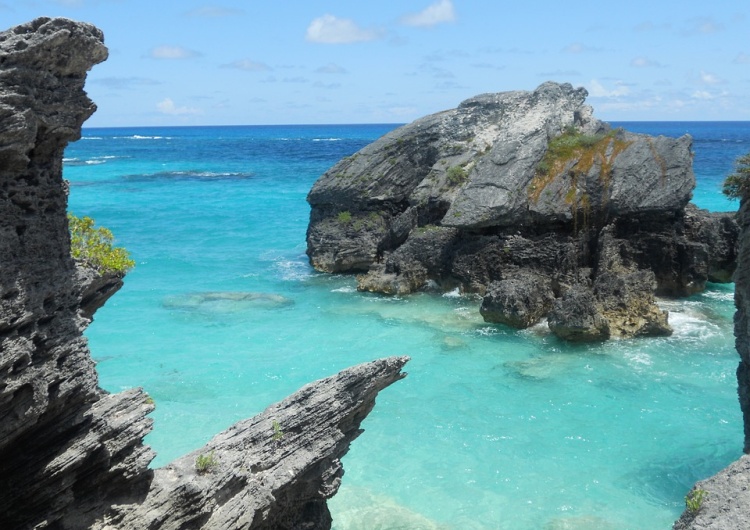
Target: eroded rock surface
520,182
727,494
71,455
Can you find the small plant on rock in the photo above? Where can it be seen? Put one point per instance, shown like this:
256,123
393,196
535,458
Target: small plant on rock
278,434
206,462
344,217
457,175
694,500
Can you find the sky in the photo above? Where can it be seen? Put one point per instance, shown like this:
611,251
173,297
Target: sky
250,62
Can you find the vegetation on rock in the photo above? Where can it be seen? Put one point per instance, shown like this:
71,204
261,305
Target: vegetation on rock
206,462
737,185
457,175
694,500
584,149
94,246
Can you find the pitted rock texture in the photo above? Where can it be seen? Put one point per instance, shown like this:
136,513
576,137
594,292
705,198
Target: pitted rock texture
484,193
727,494
725,500
71,455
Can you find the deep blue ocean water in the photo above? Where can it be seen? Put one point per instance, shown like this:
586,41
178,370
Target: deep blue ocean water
493,428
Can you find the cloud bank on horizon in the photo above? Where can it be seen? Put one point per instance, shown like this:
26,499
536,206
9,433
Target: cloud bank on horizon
235,62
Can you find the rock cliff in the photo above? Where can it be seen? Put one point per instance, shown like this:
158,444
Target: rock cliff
71,455
528,199
727,494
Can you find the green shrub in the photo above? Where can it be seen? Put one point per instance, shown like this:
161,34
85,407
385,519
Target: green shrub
205,463
278,434
694,500
94,247
345,217
737,185
457,175
566,145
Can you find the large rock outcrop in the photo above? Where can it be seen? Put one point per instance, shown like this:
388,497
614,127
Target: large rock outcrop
519,185
71,455
726,495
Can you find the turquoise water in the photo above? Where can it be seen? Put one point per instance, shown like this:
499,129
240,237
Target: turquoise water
493,428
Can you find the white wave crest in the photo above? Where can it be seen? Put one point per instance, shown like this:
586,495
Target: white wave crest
290,270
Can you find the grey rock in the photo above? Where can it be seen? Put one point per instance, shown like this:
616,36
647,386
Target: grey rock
725,502
727,493
274,471
493,172
71,455
576,317
618,305
519,301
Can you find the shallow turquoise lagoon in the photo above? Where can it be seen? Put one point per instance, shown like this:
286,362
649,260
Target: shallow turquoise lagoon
493,428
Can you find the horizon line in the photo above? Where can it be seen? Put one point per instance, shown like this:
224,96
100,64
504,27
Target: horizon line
368,124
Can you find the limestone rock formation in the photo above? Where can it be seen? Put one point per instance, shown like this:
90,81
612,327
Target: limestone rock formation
725,500
519,301
71,455
726,495
520,182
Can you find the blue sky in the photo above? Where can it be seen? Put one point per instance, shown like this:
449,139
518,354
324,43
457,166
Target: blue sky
304,61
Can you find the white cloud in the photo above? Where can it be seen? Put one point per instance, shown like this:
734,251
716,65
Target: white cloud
702,94
702,26
708,78
577,47
331,68
172,52
248,65
168,107
597,90
644,62
742,58
438,13
329,29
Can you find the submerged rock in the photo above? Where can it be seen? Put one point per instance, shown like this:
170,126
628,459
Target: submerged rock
520,182
222,302
71,455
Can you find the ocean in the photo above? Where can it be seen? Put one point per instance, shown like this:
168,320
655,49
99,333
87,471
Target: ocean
492,429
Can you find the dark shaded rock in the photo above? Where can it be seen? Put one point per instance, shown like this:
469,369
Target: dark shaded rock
719,232
493,170
576,317
626,300
71,455
619,305
97,288
424,256
727,494
742,317
519,301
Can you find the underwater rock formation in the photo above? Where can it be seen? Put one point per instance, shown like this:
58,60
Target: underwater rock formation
517,185
71,455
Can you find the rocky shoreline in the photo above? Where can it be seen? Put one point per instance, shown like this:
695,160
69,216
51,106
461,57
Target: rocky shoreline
72,455
530,201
